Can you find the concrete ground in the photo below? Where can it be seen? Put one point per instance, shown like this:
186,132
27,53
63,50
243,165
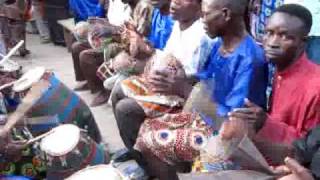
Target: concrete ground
58,59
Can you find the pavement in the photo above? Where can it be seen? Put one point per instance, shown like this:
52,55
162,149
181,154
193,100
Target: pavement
59,60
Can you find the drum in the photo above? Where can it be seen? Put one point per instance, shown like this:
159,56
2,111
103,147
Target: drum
59,102
12,68
98,172
68,149
124,171
21,87
98,24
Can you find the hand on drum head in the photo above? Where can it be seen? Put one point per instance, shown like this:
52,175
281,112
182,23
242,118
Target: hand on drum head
15,149
233,129
4,134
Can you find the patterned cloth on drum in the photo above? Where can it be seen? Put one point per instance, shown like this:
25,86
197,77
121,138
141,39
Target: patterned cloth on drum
63,164
28,165
67,105
173,138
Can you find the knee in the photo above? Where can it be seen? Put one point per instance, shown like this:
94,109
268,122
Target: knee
76,47
125,107
117,94
85,58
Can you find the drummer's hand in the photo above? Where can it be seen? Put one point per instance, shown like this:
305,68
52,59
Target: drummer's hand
233,129
164,82
101,32
251,113
3,140
297,171
15,149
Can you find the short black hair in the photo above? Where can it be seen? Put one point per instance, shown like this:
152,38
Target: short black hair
297,11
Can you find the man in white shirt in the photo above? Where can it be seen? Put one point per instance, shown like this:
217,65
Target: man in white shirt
313,44
189,44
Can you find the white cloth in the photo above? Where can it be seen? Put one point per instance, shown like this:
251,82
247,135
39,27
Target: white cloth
118,12
314,8
186,45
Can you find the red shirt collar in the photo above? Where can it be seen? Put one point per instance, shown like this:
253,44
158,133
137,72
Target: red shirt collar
295,66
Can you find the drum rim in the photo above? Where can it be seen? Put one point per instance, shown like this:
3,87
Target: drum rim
38,70
54,154
76,174
12,63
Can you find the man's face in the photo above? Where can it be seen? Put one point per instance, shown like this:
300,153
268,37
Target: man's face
284,38
159,3
182,10
213,18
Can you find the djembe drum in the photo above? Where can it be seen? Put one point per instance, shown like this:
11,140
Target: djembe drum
68,149
98,172
57,101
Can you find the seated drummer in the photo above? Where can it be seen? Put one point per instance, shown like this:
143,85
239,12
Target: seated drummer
184,43
17,159
236,65
87,60
294,105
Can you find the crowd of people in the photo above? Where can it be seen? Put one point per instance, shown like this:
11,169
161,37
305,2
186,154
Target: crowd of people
189,81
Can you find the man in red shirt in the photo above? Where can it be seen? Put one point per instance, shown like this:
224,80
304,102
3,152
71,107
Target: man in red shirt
295,99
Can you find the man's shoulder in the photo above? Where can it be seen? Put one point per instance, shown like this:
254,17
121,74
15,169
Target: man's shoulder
252,52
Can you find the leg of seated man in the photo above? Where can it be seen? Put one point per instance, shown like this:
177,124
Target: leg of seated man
90,61
117,95
77,48
129,116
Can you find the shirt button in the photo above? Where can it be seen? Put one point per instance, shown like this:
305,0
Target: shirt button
279,78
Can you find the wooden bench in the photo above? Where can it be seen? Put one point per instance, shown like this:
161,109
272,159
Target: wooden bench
68,26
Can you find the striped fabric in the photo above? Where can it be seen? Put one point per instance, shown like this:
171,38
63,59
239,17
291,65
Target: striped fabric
67,105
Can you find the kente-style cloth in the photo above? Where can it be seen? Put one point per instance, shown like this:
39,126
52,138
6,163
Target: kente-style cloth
153,104
142,17
30,164
161,28
62,102
191,51
173,138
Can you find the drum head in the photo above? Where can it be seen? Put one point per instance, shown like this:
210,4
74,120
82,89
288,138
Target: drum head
9,66
30,77
97,172
62,141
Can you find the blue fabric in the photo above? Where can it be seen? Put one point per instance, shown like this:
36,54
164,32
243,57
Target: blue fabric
14,178
267,8
313,48
83,9
161,27
242,74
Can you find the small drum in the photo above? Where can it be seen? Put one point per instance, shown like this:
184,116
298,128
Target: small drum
98,172
68,149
